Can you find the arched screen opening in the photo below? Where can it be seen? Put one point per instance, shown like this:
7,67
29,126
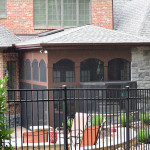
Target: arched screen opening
28,69
35,70
91,70
43,71
119,70
64,71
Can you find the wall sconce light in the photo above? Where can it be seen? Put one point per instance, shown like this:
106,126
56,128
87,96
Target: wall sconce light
6,72
43,51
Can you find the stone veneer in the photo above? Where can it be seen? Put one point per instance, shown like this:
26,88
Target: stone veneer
140,67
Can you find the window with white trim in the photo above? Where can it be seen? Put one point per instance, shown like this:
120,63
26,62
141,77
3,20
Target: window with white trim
52,13
3,8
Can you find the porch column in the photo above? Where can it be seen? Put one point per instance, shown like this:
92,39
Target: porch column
77,74
50,85
106,71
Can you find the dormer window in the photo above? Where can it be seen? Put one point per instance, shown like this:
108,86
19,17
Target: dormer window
60,13
3,8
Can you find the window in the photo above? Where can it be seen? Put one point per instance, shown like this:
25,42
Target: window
91,70
64,71
48,13
2,8
118,70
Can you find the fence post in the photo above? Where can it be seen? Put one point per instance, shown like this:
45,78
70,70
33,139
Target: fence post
127,117
65,116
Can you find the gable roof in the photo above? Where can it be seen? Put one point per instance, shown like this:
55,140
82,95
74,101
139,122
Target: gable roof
134,18
87,34
7,38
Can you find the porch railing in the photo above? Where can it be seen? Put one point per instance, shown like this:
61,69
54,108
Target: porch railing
74,118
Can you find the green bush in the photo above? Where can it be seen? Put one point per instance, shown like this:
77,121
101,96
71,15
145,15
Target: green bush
143,135
4,133
69,123
145,117
123,120
97,120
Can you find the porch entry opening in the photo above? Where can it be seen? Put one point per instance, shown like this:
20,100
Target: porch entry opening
11,67
119,70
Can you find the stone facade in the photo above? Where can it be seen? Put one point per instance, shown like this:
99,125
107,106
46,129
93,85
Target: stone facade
140,67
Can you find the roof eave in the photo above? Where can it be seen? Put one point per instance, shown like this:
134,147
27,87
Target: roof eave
60,45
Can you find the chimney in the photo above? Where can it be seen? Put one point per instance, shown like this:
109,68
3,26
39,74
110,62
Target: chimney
102,13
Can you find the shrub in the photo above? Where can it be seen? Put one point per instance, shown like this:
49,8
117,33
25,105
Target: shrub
145,117
97,120
143,135
4,133
123,120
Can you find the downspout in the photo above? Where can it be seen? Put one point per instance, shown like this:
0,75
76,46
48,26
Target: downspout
112,14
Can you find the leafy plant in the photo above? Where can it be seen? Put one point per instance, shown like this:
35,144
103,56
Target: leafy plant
122,119
97,120
145,117
69,123
143,135
4,133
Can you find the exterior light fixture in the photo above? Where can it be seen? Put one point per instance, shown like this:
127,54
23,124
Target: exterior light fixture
6,72
43,51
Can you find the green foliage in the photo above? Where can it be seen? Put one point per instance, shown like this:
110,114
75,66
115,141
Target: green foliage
145,117
97,120
69,123
143,135
123,120
4,133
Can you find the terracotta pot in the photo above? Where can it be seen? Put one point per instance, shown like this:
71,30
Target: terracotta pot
33,137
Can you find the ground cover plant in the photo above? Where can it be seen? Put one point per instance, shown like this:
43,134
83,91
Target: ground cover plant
145,117
143,135
4,133
122,119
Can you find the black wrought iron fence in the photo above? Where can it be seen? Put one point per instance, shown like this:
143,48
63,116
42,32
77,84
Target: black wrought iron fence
83,119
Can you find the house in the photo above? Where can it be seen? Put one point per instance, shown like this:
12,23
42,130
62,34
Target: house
27,18
58,47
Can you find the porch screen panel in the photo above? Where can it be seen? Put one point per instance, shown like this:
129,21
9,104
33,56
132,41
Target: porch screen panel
43,71
3,8
84,12
39,13
35,70
54,13
28,69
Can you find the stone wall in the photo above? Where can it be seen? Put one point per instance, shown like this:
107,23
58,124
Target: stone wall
140,67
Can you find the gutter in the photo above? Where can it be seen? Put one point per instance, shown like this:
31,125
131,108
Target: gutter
71,45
